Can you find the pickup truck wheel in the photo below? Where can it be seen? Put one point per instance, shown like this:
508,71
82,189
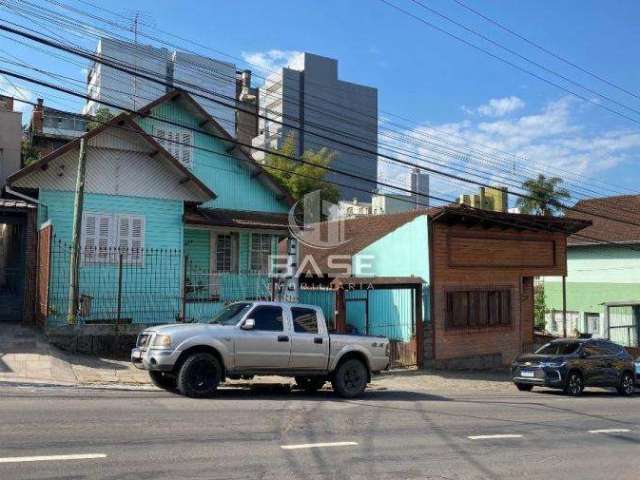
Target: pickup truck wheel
310,384
164,380
199,375
350,379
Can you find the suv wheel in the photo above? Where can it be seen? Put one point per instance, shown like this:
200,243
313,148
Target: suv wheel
164,380
350,379
574,385
627,385
524,387
310,384
199,375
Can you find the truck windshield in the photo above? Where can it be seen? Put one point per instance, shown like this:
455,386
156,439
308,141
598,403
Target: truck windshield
231,314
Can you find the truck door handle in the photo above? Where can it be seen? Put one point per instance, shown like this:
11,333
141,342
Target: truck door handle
283,338
317,340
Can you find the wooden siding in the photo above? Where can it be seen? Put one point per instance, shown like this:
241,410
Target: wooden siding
500,252
494,260
197,247
163,230
219,170
116,165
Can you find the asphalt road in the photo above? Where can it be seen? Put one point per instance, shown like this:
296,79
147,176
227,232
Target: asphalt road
274,435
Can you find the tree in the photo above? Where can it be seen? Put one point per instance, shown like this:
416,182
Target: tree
300,178
539,306
543,196
28,153
103,115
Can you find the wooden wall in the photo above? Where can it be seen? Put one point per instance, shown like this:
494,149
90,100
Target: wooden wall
472,258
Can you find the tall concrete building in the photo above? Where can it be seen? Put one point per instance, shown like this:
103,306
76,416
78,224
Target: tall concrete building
190,72
10,136
310,97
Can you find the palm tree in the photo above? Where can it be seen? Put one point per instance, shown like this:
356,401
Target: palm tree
543,196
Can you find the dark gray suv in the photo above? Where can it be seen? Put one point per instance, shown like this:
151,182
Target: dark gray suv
572,364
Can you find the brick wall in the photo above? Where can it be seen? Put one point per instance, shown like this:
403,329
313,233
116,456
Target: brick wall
492,259
31,258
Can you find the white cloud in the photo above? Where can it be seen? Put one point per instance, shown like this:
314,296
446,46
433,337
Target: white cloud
554,141
499,107
11,89
273,60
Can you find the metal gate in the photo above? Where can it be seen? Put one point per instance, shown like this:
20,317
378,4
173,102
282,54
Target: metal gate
388,313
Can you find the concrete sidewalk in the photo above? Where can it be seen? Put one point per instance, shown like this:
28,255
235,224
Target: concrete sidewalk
26,356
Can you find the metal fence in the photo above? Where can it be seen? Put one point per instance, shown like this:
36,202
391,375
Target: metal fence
144,286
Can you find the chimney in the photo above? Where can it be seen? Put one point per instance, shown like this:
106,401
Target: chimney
6,103
37,116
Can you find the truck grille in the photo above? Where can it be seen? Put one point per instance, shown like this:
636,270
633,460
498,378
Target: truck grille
143,340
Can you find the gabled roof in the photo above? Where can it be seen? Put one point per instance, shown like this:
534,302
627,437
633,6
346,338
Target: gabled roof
120,121
624,208
359,233
210,123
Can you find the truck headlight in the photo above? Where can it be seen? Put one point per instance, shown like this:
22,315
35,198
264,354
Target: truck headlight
162,341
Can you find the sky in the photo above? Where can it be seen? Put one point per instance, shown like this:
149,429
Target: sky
466,98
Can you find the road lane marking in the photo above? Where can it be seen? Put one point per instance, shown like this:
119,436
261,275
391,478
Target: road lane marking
317,445
610,430
49,458
488,437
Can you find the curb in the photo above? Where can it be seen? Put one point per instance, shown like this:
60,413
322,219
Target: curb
30,382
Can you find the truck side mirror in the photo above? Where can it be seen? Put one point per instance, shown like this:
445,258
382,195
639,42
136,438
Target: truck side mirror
248,324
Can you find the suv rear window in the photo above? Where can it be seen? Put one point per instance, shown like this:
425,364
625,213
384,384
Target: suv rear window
558,348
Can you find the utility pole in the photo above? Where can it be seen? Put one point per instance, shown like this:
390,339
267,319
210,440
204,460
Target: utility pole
72,313
135,58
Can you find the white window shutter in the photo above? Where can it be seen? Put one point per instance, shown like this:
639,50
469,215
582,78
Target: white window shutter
186,149
103,237
88,239
131,237
137,238
124,229
161,137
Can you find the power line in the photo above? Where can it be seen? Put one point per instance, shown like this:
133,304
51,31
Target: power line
300,160
526,59
468,210
545,50
508,62
167,33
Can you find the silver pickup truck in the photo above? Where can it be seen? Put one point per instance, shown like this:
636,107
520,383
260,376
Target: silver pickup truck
259,338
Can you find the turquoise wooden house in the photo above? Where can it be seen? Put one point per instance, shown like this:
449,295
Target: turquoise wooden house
177,220
603,273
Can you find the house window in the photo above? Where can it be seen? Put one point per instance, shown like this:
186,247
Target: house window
178,142
260,252
592,323
477,309
105,237
224,253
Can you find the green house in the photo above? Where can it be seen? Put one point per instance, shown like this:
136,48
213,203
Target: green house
603,280
177,220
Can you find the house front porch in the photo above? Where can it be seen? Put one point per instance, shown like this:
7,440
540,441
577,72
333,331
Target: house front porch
228,258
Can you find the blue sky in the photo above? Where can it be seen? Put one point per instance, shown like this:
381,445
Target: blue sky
443,86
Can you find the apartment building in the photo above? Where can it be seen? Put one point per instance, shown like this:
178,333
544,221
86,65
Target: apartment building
320,111
213,79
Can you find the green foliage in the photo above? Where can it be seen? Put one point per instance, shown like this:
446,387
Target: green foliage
301,178
28,153
544,195
103,115
539,307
